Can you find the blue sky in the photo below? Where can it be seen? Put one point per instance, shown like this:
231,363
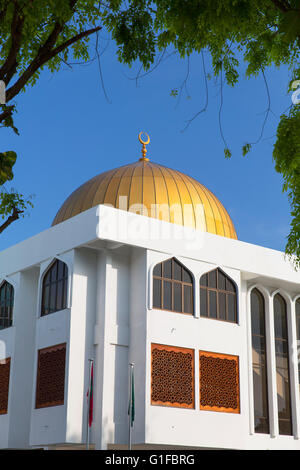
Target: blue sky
69,132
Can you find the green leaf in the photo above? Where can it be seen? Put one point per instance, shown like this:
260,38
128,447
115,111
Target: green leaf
227,153
7,161
246,149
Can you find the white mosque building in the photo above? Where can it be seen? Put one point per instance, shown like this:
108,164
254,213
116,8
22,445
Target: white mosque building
142,265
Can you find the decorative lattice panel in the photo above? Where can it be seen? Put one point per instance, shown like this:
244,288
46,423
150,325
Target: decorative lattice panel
4,384
219,382
172,376
51,376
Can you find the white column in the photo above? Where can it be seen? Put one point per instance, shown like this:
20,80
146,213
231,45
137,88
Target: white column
271,366
22,363
250,365
293,363
103,395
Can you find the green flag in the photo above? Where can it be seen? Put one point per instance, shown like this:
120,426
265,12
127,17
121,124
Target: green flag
131,407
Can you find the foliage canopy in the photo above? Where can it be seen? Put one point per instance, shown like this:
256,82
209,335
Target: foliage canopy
44,33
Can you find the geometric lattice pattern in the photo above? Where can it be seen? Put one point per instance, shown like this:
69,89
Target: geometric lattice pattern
172,376
51,376
4,384
219,382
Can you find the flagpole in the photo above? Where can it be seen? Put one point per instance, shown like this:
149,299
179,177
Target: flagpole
88,406
131,367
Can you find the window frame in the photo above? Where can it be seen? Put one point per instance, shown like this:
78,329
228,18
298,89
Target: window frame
256,291
173,282
65,288
4,285
218,290
283,341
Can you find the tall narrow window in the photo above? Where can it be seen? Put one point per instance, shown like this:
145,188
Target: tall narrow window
218,296
173,287
282,366
55,283
298,334
259,363
6,305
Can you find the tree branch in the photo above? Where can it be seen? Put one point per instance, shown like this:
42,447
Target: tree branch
16,37
3,11
5,114
74,39
12,218
282,6
43,57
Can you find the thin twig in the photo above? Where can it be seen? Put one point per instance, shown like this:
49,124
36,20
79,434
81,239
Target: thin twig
100,71
206,98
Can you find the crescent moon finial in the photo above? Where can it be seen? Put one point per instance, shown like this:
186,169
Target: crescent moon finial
144,143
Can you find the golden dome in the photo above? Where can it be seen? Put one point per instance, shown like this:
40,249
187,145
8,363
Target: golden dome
154,190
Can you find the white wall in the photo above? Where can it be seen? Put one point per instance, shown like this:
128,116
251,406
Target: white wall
111,348
110,318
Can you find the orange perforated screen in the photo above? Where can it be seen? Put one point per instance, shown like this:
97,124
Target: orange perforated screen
51,376
4,384
219,382
172,376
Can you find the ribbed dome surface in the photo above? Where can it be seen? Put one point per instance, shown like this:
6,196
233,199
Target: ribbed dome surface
162,193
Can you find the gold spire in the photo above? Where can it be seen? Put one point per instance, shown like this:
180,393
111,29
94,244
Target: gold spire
144,150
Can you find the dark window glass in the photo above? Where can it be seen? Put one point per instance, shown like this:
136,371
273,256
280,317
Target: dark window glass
259,363
282,366
6,305
212,279
280,318
177,297
167,295
157,270
257,318
203,302
60,289
177,270
53,297
167,269
186,277
45,306
61,270
230,285
213,304
203,280
221,299
221,280
222,306
172,287
54,291
157,293
53,272
188,299
231,305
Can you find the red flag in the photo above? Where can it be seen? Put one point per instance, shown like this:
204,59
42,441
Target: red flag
91,396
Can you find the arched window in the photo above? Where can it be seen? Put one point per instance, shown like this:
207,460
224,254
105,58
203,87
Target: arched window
172,287
218,296
55,283
6,305
259,363
282,366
